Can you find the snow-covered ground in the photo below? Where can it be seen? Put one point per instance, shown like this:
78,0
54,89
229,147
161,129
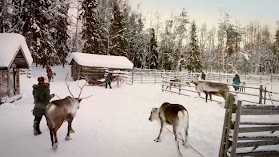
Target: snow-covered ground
112,123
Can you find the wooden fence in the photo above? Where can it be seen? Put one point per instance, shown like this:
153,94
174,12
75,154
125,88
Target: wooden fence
262,96
26,72
154,76
238,134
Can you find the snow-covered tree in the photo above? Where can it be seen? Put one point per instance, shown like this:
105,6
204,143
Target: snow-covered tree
38,28
194,64
117,41
61,32
91,27
153,52
167,47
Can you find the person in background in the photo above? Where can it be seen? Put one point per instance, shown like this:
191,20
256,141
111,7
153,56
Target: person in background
42,96
236,81
49,74
108,80
203,76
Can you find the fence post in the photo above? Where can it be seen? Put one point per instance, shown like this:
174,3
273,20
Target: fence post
224,146
179,88
264,94
236,128
141,77
132,77
261,94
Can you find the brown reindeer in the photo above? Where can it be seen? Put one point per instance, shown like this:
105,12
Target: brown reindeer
175,115
212,88
59,111
174,83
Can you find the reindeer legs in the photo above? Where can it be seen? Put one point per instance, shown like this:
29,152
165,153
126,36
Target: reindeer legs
158,139
69,129
176,140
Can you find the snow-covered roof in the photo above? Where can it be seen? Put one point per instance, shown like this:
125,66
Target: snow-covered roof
10,44
106,61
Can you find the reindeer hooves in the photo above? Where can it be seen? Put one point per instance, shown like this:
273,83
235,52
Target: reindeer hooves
72,131
68,138
54,147
157,140
186,145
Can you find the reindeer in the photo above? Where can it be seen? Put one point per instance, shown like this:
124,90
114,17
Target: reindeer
175,83
62,110
212,88
118,79
175,115
242,87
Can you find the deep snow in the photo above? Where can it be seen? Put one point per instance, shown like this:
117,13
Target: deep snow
112,123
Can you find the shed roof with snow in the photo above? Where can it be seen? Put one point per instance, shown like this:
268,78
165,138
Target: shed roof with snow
13,49
106,61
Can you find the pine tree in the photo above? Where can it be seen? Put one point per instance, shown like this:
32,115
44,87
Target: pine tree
91,27
167,47
61,35
3,17
194,64
153,58
38,30
16,21
117,42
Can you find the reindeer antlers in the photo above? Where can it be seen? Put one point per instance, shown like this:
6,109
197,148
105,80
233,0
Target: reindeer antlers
81,88
68,85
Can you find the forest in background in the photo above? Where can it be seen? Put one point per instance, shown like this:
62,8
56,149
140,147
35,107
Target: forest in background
111,27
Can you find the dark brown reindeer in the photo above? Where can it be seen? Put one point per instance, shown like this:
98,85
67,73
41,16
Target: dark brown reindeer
62,110
212,88
175,115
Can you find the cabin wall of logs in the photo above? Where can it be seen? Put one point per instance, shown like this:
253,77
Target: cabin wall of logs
80,72
9,83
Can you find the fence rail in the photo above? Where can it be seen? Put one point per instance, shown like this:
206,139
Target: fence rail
184,86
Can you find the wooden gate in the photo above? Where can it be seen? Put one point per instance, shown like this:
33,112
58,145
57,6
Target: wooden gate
239,134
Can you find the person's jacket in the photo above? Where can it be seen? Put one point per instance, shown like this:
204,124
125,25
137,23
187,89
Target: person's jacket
42,96
236,80
108,78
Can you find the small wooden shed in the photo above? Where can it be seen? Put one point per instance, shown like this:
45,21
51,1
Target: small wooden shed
94,66
14,55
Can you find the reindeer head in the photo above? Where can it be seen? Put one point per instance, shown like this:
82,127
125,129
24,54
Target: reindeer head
154,115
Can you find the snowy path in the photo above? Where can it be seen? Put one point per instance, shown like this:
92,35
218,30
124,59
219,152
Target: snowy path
114,122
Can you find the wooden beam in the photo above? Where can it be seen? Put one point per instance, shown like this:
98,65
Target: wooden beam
256,143
258,123
259,112
272,138
258,129
270,153
236,128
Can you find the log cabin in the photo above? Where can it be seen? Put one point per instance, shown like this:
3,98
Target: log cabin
94,66
14,55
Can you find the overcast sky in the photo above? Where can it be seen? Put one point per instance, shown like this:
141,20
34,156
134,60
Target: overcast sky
266,12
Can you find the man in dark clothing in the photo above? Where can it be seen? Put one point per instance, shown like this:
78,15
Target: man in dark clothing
108,80
42,97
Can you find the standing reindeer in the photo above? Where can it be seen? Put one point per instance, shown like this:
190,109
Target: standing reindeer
59,111
175,115
212,88
175,83
242,87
